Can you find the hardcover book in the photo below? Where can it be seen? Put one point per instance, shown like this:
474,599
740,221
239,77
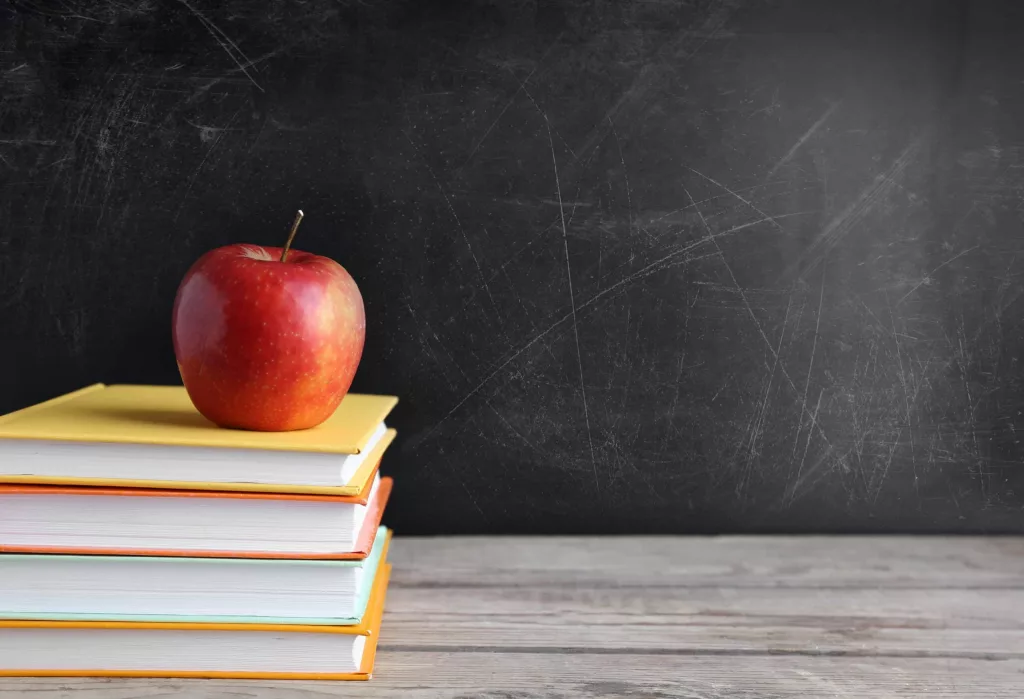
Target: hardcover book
132,436
221,590
154,522
201,650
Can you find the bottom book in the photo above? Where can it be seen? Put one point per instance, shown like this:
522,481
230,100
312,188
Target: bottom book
186,650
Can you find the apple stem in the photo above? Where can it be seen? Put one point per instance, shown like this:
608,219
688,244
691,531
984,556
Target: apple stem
291,236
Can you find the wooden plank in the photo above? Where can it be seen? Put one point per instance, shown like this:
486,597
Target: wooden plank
742,561
853,595
533,633
698,617
878,607
422,675
975,623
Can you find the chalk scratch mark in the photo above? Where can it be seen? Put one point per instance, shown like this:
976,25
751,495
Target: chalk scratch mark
213,147
756,429
843,223
458,222
888,463
565,143
646,271
714,198
810,364
225,42
735,194
927,277
561,138
798,481
241,68
728,268
625,175
759,425
512,429
736,285
903,382
572,303
26,142
803,139
511,101
468,492
750,310
647,78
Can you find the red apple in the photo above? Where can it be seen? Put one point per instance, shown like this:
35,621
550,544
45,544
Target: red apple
267,339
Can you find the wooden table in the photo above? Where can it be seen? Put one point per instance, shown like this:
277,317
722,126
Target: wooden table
700,618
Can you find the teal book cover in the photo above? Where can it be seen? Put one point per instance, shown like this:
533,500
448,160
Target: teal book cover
371,565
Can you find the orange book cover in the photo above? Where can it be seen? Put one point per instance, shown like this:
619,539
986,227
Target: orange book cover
364,541
369,627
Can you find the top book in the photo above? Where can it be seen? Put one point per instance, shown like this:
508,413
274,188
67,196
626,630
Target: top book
152,436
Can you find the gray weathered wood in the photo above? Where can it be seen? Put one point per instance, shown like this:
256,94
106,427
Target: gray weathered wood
742,561
423,675
692,617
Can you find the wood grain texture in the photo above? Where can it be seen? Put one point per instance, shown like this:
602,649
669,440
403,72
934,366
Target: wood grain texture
688,617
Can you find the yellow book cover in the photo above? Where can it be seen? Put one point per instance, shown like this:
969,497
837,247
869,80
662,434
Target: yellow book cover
175,650
76,427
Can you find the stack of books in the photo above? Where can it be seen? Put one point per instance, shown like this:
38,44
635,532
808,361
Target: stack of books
139,539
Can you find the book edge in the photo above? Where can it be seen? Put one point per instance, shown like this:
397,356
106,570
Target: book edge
363,547
143,620
371,616
353,489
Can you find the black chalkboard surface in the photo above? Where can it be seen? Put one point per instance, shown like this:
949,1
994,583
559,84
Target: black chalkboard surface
696,266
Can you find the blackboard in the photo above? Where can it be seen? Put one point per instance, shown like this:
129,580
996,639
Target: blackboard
696,266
